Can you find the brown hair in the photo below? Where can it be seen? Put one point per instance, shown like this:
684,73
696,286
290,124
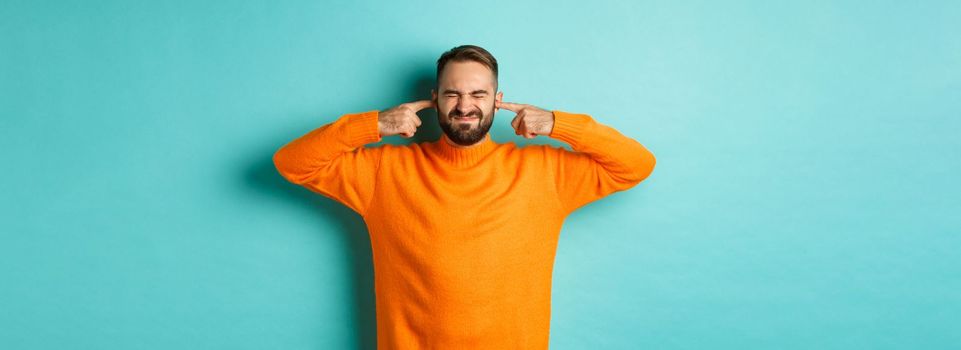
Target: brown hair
467,53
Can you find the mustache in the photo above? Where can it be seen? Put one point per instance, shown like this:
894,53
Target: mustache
456,113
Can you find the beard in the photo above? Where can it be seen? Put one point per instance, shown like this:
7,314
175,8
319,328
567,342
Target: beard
466,134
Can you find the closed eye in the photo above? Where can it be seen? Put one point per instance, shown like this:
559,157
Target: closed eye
474,93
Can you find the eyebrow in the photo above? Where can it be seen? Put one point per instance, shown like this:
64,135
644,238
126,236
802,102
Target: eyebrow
452,91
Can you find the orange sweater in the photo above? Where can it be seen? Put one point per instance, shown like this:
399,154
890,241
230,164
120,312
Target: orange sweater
463,240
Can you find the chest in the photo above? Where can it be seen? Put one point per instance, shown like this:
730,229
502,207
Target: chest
508,188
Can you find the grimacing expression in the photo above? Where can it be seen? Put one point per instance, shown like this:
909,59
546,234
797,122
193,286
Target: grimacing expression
465,103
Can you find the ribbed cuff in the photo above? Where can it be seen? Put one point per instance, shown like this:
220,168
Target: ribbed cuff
362,128
568,127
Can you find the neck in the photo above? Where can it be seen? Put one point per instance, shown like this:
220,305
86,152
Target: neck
463,156
452,143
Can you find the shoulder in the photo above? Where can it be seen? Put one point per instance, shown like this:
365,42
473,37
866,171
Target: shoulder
545,150
544,153
394,150
555,157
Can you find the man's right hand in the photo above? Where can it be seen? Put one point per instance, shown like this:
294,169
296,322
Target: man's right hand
402,120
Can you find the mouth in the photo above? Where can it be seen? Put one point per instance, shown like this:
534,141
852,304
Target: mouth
466,119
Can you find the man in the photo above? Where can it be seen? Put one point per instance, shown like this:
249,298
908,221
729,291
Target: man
464,230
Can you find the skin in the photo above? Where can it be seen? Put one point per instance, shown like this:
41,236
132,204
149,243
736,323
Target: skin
466,89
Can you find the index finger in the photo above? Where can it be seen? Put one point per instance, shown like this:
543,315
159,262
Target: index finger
513,107
419,105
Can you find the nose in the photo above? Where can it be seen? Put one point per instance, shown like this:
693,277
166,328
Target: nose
463,106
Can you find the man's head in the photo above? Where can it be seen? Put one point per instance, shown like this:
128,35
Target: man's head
465,94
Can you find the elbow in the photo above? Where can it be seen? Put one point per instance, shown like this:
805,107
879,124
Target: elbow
284,166
643,166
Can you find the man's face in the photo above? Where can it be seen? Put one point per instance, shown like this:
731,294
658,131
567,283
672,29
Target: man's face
465,101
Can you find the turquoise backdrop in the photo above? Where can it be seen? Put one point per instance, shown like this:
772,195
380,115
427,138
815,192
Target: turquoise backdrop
806,194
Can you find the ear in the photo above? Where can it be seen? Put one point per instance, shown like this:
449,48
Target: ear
433,96
499,98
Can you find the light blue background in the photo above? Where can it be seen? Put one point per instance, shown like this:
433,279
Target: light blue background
806,194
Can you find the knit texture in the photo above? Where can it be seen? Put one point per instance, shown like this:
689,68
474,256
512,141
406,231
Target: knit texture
463,239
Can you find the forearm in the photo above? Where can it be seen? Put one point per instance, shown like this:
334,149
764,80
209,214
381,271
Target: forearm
622,158
299,160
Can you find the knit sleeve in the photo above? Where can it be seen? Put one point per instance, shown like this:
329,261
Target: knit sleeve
332,161
603,161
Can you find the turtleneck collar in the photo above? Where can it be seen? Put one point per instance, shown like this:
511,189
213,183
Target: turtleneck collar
463,156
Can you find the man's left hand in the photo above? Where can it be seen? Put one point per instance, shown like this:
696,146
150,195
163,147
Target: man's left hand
530,121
